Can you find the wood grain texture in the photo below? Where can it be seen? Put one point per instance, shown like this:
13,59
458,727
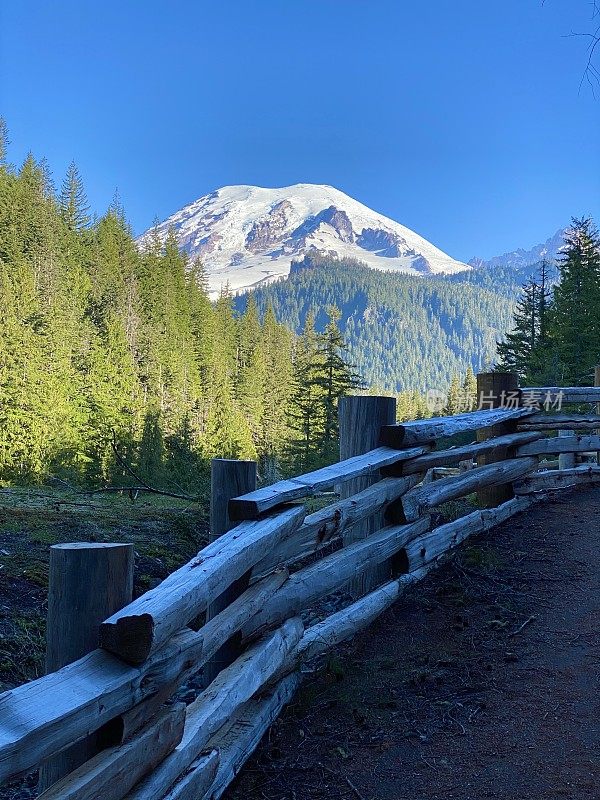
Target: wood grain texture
420,500
426,549
569,443
113,772
42,717
87,582
361,420
322,528
238,740
455,455
552,422
318,580
569,394
407,434
220,702
251,505
558,479
228,478
142,627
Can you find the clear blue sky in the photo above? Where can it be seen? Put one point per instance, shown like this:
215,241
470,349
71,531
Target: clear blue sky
462,119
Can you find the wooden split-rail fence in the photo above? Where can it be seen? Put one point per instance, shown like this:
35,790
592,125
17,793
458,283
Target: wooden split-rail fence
105,726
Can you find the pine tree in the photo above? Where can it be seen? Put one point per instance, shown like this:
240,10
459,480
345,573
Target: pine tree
276,348
73,201
455,398
575,316
4,142
306,407
470,390
251,371
517,350
337,379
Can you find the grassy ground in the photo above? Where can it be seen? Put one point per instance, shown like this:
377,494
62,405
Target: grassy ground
165,533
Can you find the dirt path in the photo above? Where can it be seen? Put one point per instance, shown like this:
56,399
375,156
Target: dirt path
482,683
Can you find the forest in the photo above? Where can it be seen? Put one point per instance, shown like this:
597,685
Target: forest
554,338
404,333
116,368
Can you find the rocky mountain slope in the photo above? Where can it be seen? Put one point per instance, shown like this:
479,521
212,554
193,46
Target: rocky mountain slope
247,236
519,258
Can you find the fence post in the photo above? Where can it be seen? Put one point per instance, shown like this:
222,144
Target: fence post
361,418
228,478
87,582
597,383
566,460
495,389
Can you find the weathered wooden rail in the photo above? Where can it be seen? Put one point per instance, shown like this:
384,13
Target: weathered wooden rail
282,562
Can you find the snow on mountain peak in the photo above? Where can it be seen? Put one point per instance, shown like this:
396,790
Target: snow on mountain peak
247,235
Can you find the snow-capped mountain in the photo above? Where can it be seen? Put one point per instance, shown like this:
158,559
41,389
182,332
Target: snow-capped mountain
523,258
246,235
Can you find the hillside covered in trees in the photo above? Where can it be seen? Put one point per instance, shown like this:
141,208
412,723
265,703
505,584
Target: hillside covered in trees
403,332
115,367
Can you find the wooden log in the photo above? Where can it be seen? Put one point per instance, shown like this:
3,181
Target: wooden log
496,389
361,419
407,434
566,460
113,772
143,626
455,455
209,641
237,741
228,478
251,505
346,623
332,572
554,422
221,701
567,394
86,583
418,501
41,718
326,526
426,549
553,480
199,778
555,444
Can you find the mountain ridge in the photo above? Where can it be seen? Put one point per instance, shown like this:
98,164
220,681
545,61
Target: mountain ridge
520,257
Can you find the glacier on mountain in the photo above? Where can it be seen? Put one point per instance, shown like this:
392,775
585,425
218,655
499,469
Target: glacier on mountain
247,235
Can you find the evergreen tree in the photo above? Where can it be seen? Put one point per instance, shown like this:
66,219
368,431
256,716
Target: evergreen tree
306,407
470,390
454,403
3,140
73,201
575,316
337,378
517,351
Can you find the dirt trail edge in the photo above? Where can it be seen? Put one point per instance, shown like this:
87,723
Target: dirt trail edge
482,683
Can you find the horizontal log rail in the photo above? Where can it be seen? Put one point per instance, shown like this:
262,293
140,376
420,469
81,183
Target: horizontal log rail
567,394
552,422
426,431
253,504
297,560
559,444
142,627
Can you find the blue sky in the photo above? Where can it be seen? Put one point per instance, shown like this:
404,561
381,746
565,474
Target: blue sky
462,119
